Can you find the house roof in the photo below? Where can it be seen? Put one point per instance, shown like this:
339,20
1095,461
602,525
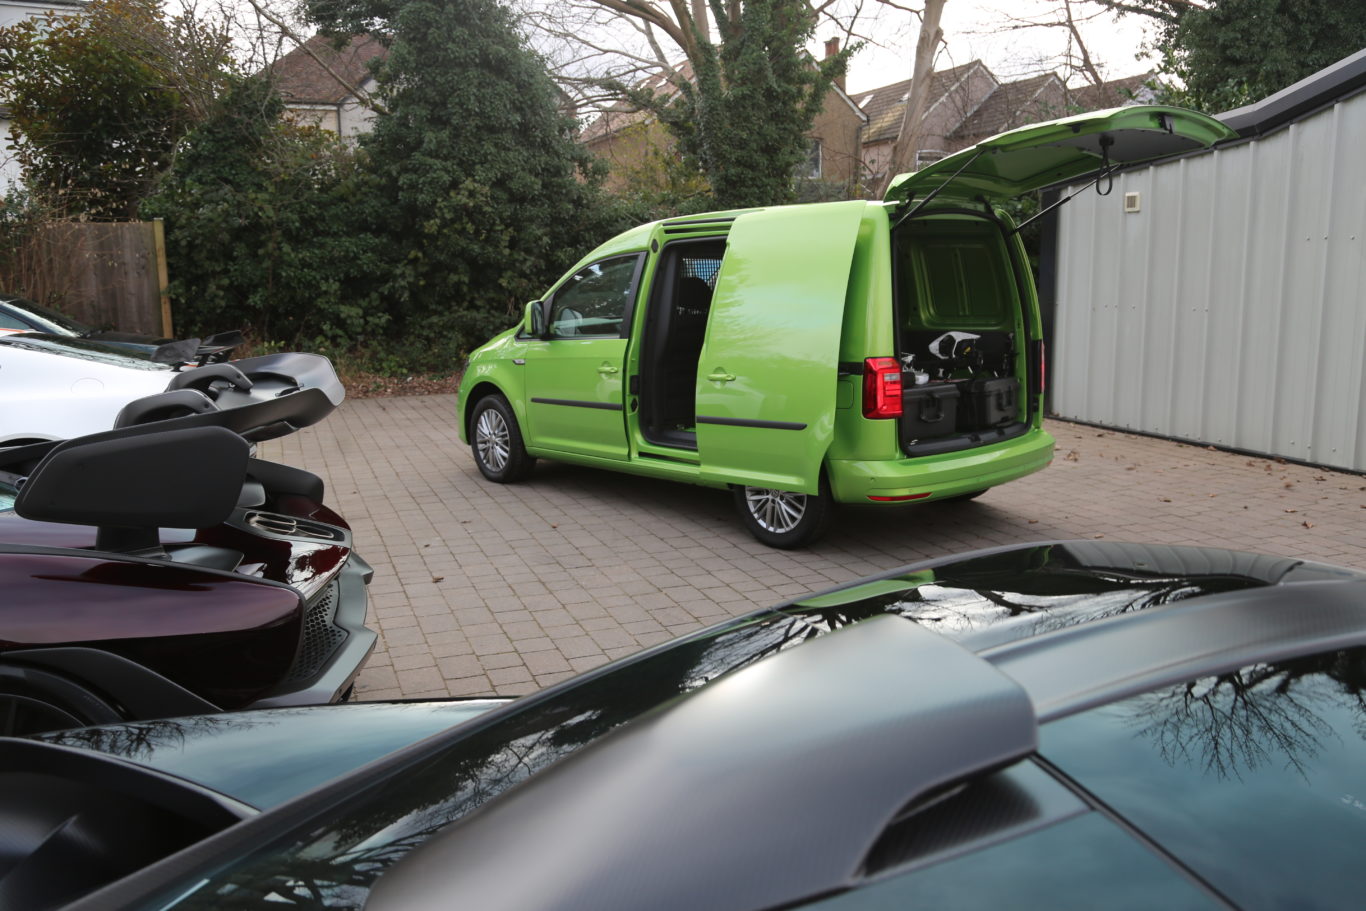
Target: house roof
1014,104
301,80
886,105
622,114
1112,94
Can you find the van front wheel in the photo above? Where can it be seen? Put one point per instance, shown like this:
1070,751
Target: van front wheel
496,442
780,518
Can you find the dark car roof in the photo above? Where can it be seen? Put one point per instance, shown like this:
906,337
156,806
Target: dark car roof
737,839
753,772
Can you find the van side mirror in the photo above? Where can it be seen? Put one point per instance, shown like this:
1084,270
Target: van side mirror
533,320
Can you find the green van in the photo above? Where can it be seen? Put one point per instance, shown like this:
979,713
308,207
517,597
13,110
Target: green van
877,353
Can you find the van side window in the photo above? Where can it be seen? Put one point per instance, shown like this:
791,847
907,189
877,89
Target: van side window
594,301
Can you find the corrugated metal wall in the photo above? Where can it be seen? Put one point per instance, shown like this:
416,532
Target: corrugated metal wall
1232,308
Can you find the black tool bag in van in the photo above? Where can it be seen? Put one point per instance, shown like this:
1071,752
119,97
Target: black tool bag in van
929,411
987,403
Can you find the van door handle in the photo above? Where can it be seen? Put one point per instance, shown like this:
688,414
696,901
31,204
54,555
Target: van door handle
720,376
608,370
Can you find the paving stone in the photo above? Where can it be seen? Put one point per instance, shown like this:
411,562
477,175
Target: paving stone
553,576
459,666
505,659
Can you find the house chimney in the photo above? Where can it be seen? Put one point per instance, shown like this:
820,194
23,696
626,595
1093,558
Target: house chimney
832,47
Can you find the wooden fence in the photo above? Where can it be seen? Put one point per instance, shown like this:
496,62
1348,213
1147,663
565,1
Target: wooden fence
110,275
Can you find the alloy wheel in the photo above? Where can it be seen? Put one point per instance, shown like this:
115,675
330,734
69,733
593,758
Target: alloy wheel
491,438
777,511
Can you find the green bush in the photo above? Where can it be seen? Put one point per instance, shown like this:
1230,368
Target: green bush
261,221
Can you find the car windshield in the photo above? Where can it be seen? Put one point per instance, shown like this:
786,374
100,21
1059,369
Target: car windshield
84,349
48,319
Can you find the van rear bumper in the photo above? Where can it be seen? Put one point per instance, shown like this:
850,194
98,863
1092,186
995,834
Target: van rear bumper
938,476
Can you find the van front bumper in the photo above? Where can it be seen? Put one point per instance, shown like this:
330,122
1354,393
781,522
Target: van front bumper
892,482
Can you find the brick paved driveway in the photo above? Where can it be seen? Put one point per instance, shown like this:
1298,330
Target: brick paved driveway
482,588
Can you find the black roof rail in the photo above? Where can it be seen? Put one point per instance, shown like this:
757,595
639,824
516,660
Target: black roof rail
710,802
1080,667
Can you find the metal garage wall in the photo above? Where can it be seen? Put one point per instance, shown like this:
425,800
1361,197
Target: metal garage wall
1232,308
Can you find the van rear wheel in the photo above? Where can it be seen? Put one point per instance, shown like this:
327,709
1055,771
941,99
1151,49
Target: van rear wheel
783,519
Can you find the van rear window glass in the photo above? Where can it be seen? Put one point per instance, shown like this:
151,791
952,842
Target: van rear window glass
954,275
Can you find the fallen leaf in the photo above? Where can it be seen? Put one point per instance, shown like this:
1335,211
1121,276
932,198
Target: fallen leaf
438,578
1132,468
1098,536
1166,499
1036,521
1212,448
1289,484
1307,524
1213,495
1292,510
1072,456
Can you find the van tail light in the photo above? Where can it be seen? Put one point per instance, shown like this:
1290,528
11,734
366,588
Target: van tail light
881,387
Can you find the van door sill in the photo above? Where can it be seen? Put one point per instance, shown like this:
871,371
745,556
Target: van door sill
673,439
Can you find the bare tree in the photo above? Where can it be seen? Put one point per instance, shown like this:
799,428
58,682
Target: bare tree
922,73
593,44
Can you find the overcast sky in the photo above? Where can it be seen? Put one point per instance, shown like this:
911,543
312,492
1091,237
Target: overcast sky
978,29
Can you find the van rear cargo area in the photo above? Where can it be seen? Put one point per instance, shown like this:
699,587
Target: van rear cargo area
960,325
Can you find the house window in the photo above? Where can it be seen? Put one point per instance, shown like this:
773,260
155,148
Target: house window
812,168
927,156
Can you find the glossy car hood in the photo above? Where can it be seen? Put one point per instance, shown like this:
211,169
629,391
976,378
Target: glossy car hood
1012,593
1032,157
265,757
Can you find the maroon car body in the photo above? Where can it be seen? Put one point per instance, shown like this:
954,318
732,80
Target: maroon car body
108,612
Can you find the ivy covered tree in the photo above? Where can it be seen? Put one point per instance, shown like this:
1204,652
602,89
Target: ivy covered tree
1228,53
754,96
99,100
483,196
